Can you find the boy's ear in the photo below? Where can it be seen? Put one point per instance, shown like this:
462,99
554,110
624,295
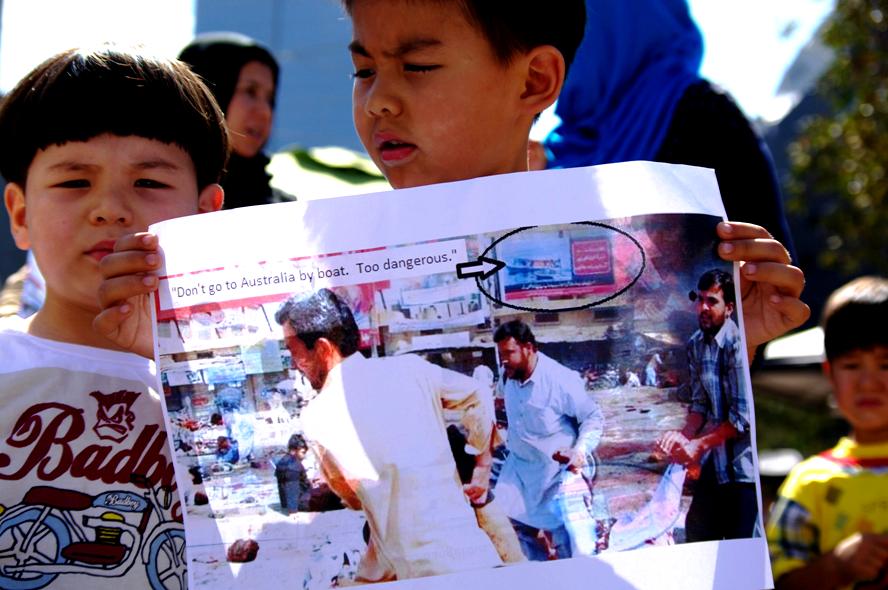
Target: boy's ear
14,198
544,78
211,198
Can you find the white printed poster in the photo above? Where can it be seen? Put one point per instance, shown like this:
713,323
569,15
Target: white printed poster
499,381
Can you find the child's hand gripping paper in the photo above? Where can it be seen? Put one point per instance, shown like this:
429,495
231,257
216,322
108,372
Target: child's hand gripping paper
769,285
128,280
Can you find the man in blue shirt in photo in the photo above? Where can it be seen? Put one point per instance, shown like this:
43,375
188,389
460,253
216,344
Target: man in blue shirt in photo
554,424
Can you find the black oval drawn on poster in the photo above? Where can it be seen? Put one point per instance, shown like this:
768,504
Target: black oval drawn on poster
578,307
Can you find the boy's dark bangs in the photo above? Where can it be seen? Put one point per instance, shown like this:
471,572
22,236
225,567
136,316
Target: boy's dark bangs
87,95
856,326
79,111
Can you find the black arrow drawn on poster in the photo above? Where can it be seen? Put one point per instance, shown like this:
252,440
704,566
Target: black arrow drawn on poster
482,268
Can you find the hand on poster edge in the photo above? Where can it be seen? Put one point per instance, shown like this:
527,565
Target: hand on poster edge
127,280
770,286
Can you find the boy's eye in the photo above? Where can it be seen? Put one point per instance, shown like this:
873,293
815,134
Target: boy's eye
75,183
363,73
150,183
420,68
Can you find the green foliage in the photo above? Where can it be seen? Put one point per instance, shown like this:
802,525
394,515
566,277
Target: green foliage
839,162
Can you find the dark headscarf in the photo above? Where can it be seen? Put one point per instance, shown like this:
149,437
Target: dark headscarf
636,60
218,58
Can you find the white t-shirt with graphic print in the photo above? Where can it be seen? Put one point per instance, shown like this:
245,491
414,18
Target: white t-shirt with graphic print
87,486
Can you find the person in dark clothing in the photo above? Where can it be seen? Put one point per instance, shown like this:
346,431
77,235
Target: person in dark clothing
634,93
243,76
294,488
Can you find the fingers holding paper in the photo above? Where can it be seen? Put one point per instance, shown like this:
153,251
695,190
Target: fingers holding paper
128,278
770,286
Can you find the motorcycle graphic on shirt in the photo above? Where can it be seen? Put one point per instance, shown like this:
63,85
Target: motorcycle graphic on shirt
55,532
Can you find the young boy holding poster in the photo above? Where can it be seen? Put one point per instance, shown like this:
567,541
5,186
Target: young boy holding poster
96,144
448,91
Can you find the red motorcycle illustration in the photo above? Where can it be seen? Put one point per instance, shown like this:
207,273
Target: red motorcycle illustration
55,532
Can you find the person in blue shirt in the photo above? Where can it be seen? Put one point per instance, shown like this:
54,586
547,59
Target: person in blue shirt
553,423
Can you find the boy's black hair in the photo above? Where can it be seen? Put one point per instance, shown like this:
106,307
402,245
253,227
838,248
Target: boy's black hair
513,26
855,316
516,329
80,94
321,315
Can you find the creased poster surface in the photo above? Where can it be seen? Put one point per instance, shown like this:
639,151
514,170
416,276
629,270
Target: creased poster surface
426,385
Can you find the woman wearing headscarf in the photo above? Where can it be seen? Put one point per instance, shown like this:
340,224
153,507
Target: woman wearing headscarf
634,93
243,76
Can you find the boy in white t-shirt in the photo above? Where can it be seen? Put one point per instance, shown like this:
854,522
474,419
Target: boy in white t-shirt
96,144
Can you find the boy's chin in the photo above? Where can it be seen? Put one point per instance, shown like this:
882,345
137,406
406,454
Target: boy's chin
401,179
411,177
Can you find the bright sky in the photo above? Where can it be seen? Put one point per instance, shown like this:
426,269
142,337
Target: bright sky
36,29
749,44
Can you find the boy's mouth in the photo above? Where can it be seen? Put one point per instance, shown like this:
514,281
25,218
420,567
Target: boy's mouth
100,249
870,402
393,150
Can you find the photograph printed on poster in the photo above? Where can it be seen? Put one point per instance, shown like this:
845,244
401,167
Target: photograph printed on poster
428,424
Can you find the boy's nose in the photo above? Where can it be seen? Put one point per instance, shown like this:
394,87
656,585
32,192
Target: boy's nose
111,207
381,100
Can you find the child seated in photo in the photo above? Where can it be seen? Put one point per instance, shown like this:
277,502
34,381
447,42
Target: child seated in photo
226,450
96,145
829,526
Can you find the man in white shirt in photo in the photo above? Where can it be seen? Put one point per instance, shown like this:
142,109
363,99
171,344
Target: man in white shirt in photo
377,427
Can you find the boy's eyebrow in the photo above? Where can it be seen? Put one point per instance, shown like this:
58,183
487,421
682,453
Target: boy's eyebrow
403,48
74,165
156,163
